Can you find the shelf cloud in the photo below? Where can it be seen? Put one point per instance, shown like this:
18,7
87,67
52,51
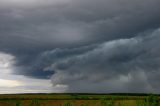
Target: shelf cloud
83,45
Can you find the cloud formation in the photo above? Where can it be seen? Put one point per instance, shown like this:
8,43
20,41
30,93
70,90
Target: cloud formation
124,65
84,45
78,22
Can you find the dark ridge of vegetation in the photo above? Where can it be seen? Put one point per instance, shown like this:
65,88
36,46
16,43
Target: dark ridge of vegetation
119,94
78,97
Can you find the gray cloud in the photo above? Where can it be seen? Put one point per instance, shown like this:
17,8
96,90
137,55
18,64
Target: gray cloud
79,22
98,42
125,65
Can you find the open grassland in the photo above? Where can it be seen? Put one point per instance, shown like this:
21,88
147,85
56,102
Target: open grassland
79,100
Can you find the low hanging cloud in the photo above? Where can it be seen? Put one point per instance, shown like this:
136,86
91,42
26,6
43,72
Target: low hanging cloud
124,65
84,45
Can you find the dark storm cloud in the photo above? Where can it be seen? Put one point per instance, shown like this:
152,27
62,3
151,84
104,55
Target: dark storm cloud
35,66
125,65
77,22
32,30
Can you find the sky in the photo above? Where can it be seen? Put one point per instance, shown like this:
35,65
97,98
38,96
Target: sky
93,46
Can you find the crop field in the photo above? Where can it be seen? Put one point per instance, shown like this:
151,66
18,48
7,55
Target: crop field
79,100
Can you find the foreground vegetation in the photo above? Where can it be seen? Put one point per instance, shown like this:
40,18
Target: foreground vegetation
79,100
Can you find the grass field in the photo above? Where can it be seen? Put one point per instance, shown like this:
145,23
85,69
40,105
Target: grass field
79,100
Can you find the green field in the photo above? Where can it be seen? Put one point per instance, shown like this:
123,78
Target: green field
82,99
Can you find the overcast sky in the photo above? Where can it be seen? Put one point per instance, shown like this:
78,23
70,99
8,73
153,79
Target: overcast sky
98,46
